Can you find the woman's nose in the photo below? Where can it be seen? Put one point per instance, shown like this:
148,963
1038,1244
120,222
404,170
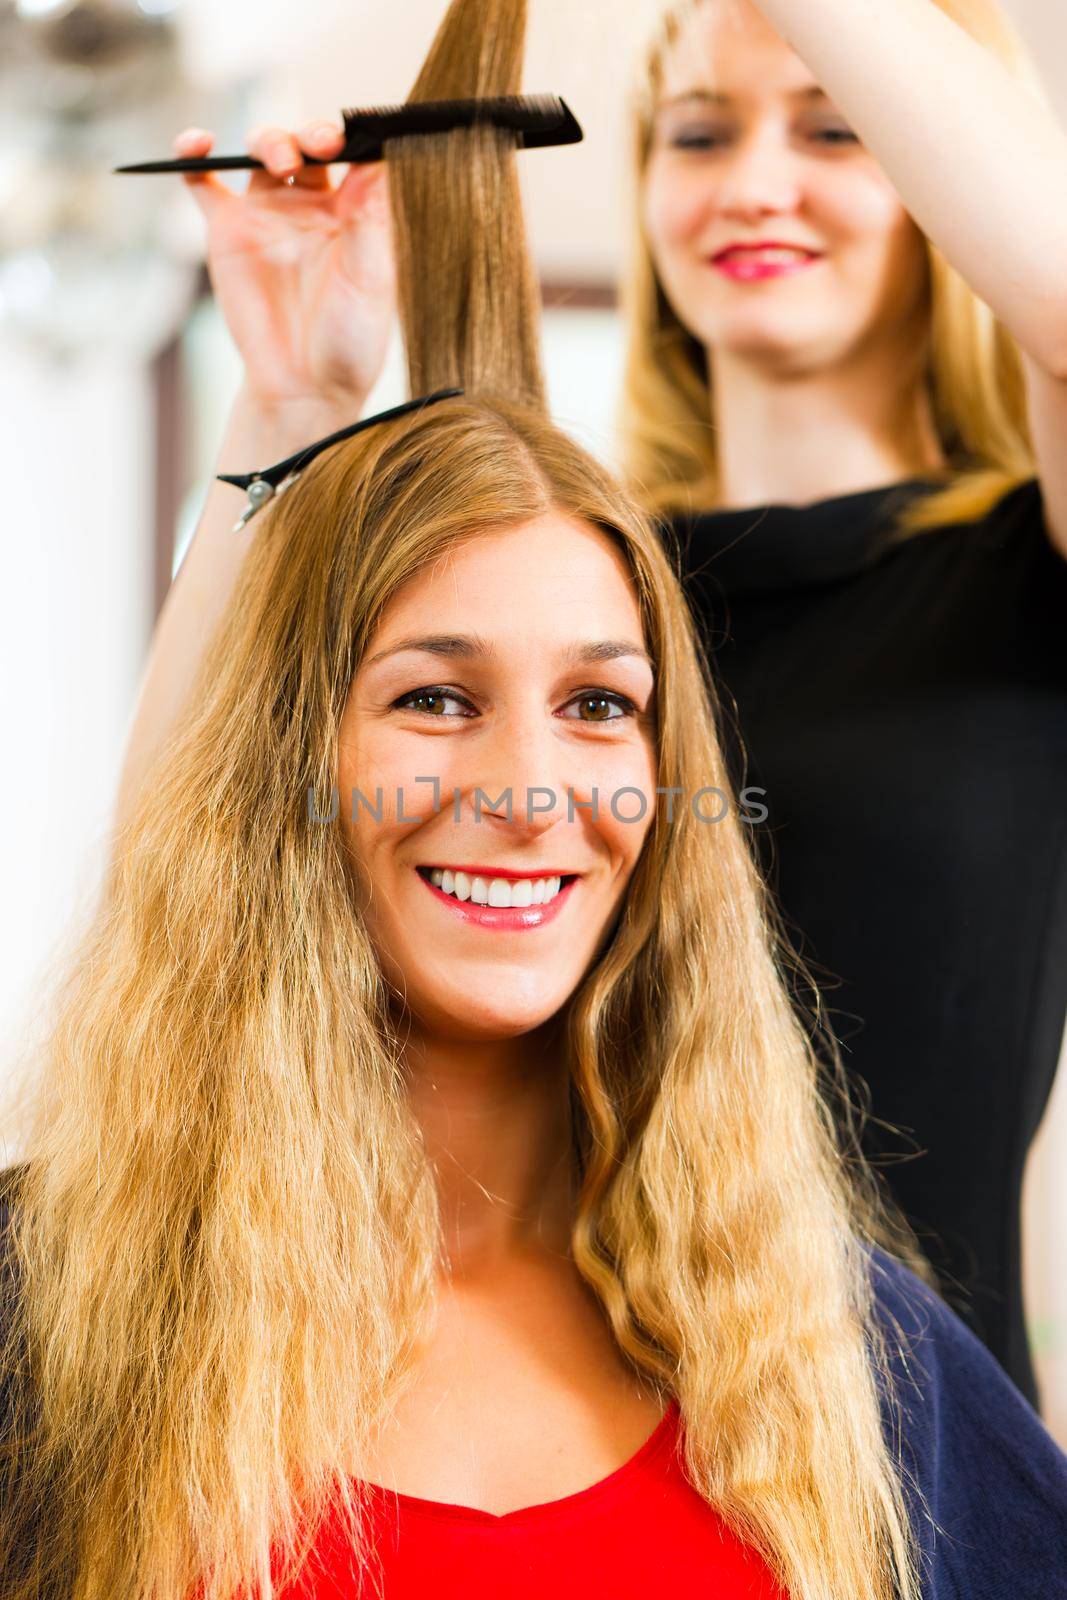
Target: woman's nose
524,772
761,175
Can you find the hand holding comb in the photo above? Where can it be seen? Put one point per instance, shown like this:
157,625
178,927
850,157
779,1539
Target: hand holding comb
536,121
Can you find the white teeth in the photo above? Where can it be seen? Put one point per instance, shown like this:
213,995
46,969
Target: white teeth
782,253
501,892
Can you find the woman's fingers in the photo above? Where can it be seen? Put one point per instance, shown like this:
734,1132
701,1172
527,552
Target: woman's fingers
282,154
325,140
277,149
206,188
364,192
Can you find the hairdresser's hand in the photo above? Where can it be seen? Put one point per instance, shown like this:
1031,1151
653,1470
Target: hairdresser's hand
303,273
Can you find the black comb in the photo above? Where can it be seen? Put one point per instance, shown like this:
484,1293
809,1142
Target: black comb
536,120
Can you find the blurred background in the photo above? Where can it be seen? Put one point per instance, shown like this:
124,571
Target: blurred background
116,375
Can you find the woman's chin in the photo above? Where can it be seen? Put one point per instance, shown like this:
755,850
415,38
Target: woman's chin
768,336
482,1022
780,343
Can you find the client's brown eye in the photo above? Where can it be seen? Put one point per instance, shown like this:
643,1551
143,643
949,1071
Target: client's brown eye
432,700
599,701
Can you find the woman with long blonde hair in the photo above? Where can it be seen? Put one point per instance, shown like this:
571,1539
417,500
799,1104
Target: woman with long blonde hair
846,386
429,1184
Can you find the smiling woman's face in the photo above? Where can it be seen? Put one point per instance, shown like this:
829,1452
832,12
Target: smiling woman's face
515,663
746,149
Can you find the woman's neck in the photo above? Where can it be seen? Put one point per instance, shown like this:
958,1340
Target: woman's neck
793,439
496,1125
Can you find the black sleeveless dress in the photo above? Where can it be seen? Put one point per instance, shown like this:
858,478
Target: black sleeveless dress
905,710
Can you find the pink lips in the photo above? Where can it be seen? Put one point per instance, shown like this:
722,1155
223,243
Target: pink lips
749,265
503,918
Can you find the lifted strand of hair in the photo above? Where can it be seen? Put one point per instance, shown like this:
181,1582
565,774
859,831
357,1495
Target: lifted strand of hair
468,290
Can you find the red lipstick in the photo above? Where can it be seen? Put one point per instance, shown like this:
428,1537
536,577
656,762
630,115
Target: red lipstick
746,261
503,918
497,872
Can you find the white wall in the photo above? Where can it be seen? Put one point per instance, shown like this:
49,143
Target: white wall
76,457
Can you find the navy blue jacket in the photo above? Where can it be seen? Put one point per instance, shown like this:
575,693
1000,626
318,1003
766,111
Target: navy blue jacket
994,1480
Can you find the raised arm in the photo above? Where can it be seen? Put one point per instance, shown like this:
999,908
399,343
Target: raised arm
303,274
978,160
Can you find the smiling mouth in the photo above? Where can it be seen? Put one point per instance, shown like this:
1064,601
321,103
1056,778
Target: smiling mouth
767,252
497,892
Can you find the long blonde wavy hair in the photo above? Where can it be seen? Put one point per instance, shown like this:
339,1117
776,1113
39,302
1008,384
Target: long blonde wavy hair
971,365
225,1235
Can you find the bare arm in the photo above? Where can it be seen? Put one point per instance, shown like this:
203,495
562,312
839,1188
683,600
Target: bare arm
978,160
303,275
256,435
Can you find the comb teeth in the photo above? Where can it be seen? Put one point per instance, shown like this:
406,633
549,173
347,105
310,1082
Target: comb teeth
537,120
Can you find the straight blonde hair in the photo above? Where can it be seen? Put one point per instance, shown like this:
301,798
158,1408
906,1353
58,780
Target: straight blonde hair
970,363
225,1236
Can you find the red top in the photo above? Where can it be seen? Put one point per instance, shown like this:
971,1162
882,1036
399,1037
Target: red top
641,1531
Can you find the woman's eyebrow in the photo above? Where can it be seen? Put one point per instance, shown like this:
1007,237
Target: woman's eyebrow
470,646
716,97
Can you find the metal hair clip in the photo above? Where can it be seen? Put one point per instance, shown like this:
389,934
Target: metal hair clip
270,481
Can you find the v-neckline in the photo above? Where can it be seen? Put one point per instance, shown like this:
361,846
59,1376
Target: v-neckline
581,1500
